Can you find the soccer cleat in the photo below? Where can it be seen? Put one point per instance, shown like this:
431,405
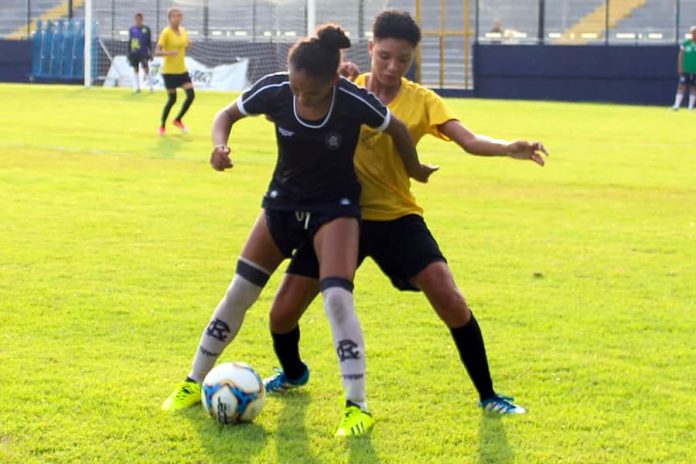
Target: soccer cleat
355,422
161,131
502,405
279,383
180,125
187,394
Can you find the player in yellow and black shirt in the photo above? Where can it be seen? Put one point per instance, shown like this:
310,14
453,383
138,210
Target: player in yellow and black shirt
172,45
393,232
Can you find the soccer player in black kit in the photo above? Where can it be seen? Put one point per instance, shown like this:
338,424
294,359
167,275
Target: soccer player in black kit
312,201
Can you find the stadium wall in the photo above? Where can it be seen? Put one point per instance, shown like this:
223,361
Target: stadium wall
15,60
645,75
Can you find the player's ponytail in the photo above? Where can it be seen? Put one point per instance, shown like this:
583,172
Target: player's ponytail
332,37
319,56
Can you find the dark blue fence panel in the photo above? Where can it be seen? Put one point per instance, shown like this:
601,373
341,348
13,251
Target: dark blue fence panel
15,60
621,74
36,42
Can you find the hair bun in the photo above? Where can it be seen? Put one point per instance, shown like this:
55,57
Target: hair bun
333,37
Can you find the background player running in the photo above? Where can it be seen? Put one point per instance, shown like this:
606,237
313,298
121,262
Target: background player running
172,45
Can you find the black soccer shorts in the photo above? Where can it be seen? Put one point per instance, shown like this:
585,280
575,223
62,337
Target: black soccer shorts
293,231
401,248
173,81
687,79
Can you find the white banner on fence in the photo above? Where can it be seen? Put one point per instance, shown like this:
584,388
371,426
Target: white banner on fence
223,77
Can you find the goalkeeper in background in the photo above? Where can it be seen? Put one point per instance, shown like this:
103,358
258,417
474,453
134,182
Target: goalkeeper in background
140,52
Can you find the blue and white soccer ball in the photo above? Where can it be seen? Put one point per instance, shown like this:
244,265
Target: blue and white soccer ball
233,392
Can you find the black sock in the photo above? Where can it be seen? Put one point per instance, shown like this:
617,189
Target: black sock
469,341
287,349
168,107
187,104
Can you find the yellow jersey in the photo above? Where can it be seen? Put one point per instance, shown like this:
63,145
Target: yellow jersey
170,40
386,187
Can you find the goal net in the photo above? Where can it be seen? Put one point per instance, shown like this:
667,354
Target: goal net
255,34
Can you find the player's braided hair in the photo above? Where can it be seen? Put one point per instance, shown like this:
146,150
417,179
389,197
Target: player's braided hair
319,56
396,24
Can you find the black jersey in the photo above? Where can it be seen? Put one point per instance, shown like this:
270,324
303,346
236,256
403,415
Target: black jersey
314,170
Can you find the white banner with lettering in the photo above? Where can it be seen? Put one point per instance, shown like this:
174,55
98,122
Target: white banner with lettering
224,77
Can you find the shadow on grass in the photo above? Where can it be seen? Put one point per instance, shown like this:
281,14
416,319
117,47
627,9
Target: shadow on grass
170,145
361,450
493,444
291,437
224,444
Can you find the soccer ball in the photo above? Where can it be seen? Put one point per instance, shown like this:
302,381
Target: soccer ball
233,392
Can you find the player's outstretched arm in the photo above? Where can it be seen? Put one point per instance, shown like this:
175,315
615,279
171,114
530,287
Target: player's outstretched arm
407,150
222,125
485,146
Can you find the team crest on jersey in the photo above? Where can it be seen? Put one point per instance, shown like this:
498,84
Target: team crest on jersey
285,132
333,140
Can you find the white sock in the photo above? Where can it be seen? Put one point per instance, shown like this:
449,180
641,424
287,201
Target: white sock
136,80
226,322
692,100
149,80
678,100
348,340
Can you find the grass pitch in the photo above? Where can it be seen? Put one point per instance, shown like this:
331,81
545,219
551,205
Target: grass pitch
115,246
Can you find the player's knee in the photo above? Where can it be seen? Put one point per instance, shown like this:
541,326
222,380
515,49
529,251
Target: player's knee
172,98
452,308
337,293
190,95
282,318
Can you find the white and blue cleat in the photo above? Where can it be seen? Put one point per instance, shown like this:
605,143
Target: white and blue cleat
279,383
501,404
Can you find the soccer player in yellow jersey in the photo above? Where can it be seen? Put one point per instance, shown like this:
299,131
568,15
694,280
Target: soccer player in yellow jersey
393,232
172,45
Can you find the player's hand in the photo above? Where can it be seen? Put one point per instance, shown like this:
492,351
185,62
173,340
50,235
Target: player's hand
423,172
523,150
349,70
220,158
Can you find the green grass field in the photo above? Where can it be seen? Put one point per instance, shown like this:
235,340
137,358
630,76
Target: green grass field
115,246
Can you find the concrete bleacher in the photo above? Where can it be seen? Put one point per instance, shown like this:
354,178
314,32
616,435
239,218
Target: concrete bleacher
562,16
18,19
653,22
518,19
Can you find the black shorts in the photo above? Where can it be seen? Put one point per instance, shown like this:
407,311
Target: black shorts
687,79
172,81
401,248
138,60
293,231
